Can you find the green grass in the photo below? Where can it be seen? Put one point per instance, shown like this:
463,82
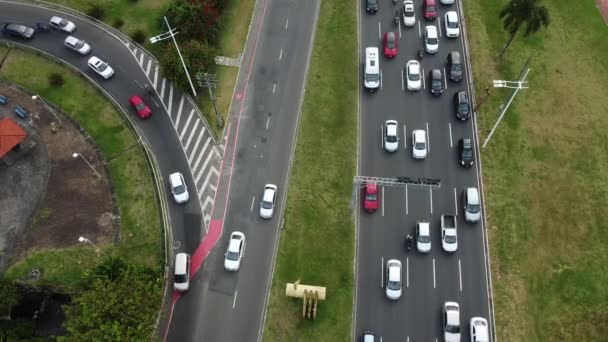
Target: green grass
546,172
140,226
317,243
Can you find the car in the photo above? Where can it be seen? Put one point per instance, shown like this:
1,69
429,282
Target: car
178,188
100,67
454,66
370,197
393,279
419,144
371,77
431,40
423,236
371,6
479,330
391,137
413,75
462,106
449,238
368,336
430,12
465,152
472,205
234,252
18,30
409,16
143,111
390,45
436,82
181,275
62,24
269,201
446,2
452,26
77,45
451,322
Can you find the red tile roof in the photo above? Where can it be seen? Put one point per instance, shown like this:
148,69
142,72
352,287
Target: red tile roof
10,135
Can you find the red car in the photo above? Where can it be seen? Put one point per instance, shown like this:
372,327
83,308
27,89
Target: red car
370,198
390,45
143,111
430,11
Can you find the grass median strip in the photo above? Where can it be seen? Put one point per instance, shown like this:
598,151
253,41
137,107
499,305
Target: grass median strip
545,172
140,226
317,242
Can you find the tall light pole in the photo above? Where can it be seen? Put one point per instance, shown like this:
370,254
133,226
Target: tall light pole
76,155
97,249
171,33
517,85
37,97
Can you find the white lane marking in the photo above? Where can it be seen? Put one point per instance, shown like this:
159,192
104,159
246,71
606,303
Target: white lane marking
156,103
382,190
185,129
162,90
382,272
286,23
419,31
170,98
274,87
236,293
179,111
434,280
149,66
402,82
404,138
431,199
267,122
460,274
428,138
407,272
406,201
200,172
281,54
423,76
198,121
455,203
252,200
155,75
382,137
200,156
194,149
399,28
139,84
445,79
209,174
439,28
380,79
379,32
450,129
141,60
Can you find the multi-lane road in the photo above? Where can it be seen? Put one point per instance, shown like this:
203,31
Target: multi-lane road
431,279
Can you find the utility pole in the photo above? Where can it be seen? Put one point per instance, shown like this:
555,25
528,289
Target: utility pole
210,82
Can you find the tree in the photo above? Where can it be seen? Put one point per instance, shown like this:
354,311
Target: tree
195,19
198,57
10,295
519,12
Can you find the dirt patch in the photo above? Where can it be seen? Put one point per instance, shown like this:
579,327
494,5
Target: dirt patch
75,200
602,5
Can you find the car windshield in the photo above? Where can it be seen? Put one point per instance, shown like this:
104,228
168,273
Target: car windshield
463,107
372,77
455,67
432,41
391,138
78,44
454,329
414,75
141,106
473,208
102,66
437,84
393,285
424,239
450,239
452,24
419,146
179,189
232,256
180,278
63,23
266,205
19,28
390,43
370,197
430,9
372,2
467,154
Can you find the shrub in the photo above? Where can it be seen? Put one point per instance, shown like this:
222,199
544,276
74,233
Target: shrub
133,1
96,11
118,22
56,80
138,36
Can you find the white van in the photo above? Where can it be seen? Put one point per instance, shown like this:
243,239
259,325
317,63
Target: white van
371,77
181,278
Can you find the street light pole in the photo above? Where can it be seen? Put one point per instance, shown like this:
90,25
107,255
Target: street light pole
37,97
76,155
97,249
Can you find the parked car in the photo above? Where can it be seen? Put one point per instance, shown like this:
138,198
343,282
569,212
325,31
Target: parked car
393,279
77,45
430,12
431,39
62,24
413,75
370,197
472,205
269,201
462,106
371,6
100,67
181,275
419,149
143,111
436,82
18,30
452,25
178,188
390,45
391,136
423,236
451,322
409,17
465,152
479,330
234,253
454,66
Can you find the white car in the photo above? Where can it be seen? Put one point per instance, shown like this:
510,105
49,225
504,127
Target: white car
391,137
414,75
77,45
234,253
446,2
419,144
100,67
452,25
178,188
181,276
393,279
472,205
451,322
449,239
409,17
62,24
423,236
431,40
269,200
479,330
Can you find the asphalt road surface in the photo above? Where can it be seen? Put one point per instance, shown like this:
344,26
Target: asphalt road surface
432,279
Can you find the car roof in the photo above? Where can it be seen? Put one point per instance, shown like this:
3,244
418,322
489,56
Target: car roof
466,142
268,193
452,16
372,187
481,326
175,178
472,196
394,270
391,127
72,39
414,65
419,135
431,30
181,261
424,228
436,73
234,245
462,96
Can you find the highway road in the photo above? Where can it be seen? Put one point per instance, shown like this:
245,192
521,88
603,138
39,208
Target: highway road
428,280
231,306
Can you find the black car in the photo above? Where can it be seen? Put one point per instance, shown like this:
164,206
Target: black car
465,151
462,105
436,82
454,66
371,6
18,30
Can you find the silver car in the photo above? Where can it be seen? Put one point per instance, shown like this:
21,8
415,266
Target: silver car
393,279
472,205
77,45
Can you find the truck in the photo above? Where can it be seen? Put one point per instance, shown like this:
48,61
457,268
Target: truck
449,238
